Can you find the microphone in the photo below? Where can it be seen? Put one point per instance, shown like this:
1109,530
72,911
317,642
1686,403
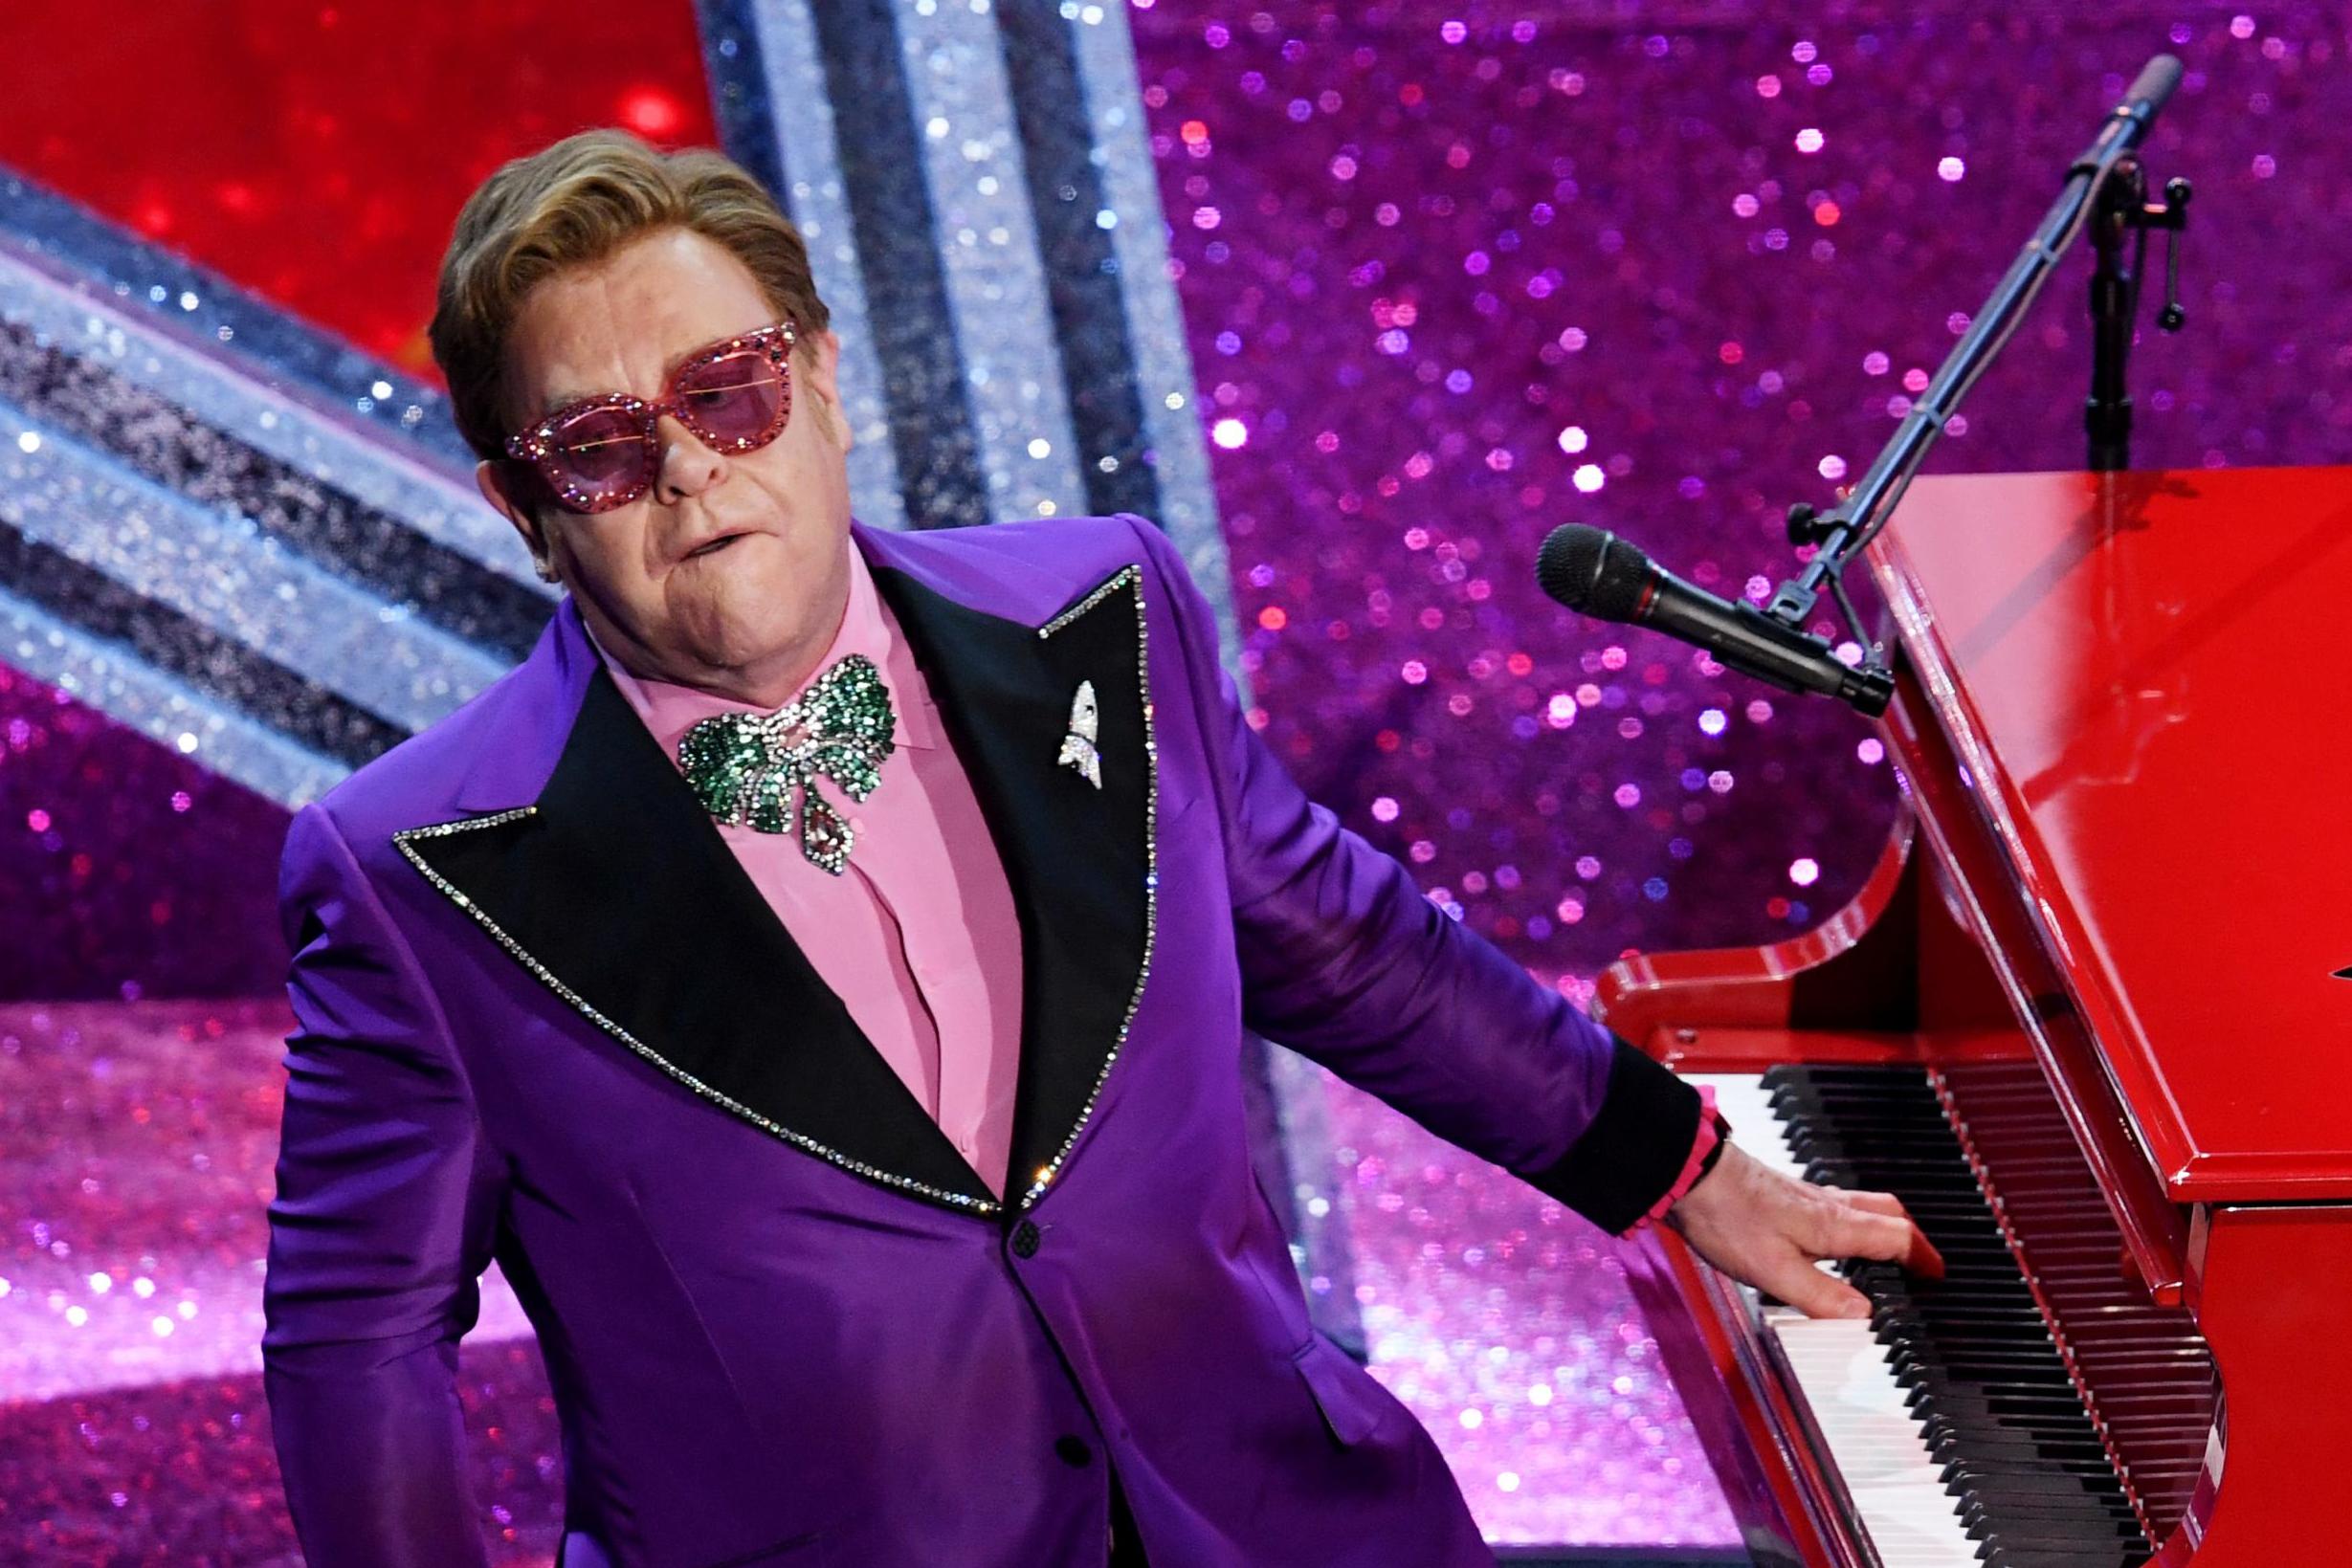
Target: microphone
1595,573
2131,119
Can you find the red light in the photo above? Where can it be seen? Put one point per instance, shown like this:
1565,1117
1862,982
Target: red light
651,112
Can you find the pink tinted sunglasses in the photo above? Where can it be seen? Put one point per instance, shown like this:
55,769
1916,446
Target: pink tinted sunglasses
604,451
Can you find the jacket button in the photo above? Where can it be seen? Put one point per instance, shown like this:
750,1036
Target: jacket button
1072,1451
1025,1240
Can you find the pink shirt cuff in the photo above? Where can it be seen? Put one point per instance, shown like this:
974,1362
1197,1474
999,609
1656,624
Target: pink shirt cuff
1700,1148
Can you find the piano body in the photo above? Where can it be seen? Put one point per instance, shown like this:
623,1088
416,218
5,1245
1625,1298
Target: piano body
2086,1018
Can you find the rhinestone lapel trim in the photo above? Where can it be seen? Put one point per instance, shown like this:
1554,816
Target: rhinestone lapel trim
1131,579
579,1005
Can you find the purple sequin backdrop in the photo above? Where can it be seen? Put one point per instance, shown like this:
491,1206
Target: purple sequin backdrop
1451,276
1456,277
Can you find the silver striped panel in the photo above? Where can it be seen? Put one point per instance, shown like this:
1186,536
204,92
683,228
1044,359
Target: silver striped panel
794,71
288,426
987,243
166,710
223,571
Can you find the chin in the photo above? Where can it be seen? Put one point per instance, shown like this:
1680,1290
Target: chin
748,627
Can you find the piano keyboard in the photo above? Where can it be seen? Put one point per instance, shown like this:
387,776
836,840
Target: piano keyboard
1950,1414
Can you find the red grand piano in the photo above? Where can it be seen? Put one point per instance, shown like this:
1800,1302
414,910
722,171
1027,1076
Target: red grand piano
2088,1017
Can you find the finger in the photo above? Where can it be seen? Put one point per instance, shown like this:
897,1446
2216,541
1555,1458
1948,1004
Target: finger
1858,1234
1815,1292
1877,1202
1893,1241
1919,1255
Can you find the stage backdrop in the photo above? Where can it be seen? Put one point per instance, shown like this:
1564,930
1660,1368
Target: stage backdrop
1358,301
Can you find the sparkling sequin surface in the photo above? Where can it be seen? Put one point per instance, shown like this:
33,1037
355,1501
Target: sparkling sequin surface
136,1145
128,870
1450,276
318,153
1504,1322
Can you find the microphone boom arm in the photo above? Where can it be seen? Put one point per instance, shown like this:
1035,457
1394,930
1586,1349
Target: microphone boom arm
1844,530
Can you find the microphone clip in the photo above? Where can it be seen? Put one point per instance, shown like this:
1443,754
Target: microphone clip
1791,605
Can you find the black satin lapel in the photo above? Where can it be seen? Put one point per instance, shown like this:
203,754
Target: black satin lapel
618,889
1078,859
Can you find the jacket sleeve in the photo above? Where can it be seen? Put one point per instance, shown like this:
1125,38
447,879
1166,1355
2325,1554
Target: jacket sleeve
1344,962
386,1203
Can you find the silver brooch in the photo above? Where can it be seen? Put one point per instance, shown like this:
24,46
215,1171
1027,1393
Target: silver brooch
1078,749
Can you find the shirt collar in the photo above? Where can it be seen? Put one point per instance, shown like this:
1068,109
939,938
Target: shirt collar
867,627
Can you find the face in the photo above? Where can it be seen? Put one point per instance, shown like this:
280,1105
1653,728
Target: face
731,573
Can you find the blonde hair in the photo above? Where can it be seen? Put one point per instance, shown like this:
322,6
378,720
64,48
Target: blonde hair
574,203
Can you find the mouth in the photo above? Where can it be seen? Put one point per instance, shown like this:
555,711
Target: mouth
711,546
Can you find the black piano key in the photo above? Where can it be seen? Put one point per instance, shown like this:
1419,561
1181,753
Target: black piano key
2017,1522
1987,1468
2080,1490
2016,1400
2023,1485
2001,1413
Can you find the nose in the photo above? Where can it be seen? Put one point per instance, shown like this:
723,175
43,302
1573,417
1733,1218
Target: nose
687,467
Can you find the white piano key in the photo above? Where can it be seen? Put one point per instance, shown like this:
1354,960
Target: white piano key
1894,1483
1747,1105
1844,1375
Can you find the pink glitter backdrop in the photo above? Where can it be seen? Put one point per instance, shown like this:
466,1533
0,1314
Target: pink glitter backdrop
1452,274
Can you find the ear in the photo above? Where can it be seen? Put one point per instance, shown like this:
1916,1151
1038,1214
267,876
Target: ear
495,481
818,372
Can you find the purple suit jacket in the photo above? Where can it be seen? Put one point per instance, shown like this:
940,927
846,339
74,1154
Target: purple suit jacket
543,1017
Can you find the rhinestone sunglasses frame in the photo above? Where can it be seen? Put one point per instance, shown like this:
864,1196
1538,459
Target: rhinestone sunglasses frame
536,446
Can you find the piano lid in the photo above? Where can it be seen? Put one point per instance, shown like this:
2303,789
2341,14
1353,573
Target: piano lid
2151,671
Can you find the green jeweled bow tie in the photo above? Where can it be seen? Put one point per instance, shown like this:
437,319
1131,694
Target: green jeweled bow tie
745,767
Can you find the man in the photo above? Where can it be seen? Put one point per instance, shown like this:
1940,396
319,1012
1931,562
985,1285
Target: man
817,975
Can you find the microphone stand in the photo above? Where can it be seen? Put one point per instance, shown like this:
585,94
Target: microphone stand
2105,181
2115,300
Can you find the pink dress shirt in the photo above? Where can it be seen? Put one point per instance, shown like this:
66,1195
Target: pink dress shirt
919,937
